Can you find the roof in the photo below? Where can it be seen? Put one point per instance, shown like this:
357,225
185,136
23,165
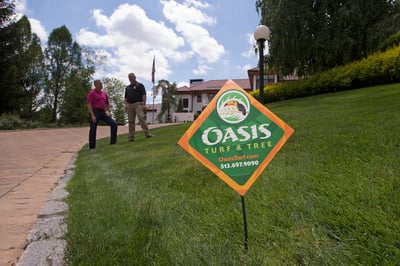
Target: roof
213,85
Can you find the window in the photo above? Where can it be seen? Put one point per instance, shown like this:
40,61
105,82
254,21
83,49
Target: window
199,98
267,79
185,103
210,96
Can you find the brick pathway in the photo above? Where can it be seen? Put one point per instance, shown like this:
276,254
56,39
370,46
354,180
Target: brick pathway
31,162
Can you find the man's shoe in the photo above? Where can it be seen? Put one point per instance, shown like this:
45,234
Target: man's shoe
149,136
130,140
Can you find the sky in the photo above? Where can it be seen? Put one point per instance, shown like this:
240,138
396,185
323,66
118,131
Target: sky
189,39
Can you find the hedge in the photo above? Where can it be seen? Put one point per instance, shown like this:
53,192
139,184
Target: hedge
377,69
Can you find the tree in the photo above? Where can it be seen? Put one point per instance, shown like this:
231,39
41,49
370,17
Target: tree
30,63
312,36
115,90
74,109
8,76
179,109
22,69
168,92
65,70
6,12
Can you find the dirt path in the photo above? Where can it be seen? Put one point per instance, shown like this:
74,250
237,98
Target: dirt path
31,163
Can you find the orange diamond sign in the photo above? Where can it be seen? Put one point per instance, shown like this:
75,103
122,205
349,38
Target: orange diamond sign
235,137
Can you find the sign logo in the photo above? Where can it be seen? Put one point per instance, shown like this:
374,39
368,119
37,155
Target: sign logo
235,137
233,107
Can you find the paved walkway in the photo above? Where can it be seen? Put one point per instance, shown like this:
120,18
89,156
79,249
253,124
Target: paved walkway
31,163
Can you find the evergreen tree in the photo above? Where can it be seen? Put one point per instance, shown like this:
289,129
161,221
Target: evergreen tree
22,69
179,109
7,12
9,87
30,62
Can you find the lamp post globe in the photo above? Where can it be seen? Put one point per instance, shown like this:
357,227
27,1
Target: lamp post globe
261,34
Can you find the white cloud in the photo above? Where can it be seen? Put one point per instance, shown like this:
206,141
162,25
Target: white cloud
188,18
185,13
88,38
202,44
20,6
246,67
250,52
37,27
130,39
201,70
197,3
133,39
252,46
182,83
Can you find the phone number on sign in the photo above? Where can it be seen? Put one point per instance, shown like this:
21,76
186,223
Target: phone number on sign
239,164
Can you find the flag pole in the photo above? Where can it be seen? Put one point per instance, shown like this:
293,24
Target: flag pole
153,103
153,72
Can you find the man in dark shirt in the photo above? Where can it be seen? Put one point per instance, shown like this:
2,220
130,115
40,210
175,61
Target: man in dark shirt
99,109
135,101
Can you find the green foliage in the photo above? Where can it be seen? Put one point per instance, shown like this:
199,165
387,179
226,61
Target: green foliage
115,90
9,122
44,115
168,91
313,36
179,109
33,79
379,68
32,83
6,11
74,109
68,77
13,122
59,64
19,52
330,197
392,41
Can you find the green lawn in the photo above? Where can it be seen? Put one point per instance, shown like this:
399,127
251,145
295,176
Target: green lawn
331,196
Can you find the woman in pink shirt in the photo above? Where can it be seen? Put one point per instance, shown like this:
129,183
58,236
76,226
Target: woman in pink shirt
99,109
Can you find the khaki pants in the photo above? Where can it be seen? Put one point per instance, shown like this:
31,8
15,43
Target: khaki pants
133,110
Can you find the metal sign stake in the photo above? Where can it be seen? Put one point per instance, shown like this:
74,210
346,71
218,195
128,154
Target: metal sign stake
246,244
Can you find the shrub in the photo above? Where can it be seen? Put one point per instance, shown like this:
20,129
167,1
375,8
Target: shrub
13,122
10,121
378,69
390,42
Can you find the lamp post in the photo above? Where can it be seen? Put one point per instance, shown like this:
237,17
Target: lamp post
261,34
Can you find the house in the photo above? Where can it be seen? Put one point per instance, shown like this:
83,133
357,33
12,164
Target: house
254,77
151,111
199,93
